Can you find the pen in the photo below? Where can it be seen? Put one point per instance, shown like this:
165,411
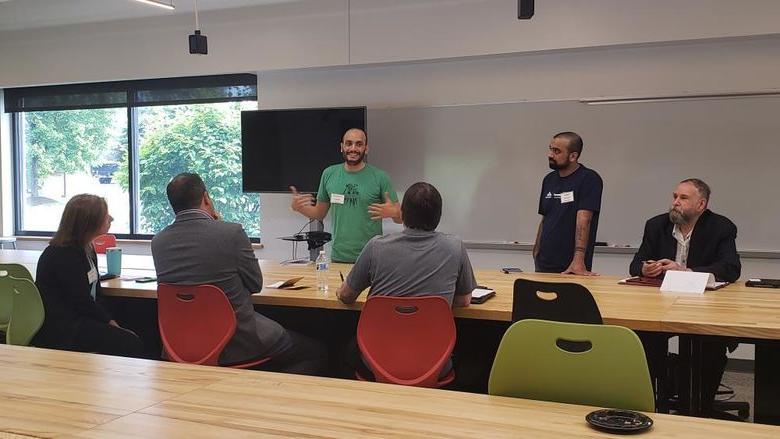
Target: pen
342,276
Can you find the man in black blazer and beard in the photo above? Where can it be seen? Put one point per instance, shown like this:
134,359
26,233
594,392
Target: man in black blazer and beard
693,238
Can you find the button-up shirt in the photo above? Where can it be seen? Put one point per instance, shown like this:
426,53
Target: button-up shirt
683,245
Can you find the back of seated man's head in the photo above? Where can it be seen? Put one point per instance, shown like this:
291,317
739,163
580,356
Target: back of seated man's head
185,191
421,207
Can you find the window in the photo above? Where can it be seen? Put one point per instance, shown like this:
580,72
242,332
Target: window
202,138
124,141
64,153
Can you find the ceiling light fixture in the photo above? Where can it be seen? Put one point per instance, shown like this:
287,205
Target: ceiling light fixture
682,97
158,3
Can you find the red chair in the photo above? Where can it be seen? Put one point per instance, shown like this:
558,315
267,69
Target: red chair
102,242
407,340
196,323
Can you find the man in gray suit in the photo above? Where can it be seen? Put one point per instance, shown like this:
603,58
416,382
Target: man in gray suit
199,248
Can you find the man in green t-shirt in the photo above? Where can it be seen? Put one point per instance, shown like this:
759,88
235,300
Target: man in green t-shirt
359,195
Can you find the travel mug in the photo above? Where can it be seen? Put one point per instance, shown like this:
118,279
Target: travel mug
114,260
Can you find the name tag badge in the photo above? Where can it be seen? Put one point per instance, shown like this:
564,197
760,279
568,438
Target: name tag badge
336,199
567,197
92,275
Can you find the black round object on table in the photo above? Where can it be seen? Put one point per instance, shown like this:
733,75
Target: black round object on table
619,421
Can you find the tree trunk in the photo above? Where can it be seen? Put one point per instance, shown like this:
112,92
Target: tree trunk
32,178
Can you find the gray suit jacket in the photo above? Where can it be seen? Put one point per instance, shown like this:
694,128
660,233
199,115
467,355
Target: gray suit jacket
197,250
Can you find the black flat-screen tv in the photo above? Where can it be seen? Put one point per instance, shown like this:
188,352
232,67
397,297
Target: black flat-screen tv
283,148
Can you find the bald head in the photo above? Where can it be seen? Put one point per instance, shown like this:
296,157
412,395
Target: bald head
355,134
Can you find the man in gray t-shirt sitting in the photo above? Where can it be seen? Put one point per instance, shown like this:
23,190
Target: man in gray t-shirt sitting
419,261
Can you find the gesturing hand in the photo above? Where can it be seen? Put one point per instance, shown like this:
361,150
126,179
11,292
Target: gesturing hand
388,209
300,201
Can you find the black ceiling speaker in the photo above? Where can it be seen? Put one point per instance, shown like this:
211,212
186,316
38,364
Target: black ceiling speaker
198,43
525,9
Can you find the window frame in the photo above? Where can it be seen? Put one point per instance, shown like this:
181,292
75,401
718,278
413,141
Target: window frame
15,106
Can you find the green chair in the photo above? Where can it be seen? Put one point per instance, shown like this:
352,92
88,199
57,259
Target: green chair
14,270
26,310
601,365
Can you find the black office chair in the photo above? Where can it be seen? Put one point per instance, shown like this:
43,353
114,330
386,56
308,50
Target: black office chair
558,301
723,405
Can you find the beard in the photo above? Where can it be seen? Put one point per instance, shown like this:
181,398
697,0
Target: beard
351,162
554,166
679,218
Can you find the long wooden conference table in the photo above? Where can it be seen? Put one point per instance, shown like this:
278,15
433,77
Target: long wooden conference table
47,393
736,311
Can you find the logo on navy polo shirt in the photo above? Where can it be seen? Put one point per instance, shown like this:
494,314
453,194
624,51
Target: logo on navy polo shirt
549,195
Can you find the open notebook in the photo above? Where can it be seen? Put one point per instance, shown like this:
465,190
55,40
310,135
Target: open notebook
656,282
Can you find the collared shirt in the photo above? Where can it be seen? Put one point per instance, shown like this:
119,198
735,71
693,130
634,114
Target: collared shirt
413,263
683,245
198,211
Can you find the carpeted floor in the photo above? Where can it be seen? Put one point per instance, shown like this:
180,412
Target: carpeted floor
742,383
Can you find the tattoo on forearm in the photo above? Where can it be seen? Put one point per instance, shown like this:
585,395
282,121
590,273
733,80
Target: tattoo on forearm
582,232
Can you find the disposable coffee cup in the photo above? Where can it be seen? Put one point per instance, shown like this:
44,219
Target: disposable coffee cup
114,260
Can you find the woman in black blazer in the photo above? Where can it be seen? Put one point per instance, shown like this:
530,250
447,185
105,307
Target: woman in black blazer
67,278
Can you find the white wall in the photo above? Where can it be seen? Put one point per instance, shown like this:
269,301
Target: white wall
684,68
315,33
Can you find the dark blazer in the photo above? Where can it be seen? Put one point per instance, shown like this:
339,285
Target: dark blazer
197,250
61,277
712,247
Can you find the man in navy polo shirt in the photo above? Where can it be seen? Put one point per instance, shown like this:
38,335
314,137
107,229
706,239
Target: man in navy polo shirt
569,204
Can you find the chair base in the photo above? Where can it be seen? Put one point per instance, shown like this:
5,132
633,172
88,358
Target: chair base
721,409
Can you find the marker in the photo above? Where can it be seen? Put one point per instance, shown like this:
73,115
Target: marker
342,276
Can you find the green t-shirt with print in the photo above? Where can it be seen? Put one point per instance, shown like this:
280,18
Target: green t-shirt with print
352,224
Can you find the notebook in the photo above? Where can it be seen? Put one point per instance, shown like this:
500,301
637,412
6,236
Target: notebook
287,284
763,283
656,282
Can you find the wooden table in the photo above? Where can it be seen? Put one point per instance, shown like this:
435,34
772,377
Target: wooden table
641,308
734,311
47,393
751,314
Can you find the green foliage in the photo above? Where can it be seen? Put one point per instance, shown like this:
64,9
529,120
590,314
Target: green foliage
193,138
64,141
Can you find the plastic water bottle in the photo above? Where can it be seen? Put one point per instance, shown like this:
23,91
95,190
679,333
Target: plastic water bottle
323,265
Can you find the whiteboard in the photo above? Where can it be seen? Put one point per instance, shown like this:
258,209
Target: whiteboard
488,161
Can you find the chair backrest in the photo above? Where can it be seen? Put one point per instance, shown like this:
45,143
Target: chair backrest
27,312
102,242
17,271
196,322
558,301
608,369
406,340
